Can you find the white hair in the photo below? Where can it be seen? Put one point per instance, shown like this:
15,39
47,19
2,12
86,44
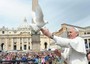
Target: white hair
76,29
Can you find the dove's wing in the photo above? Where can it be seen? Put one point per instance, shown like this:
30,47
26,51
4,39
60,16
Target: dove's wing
34,27
38,16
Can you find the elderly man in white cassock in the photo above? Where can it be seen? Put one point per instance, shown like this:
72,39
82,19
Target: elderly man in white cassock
75,52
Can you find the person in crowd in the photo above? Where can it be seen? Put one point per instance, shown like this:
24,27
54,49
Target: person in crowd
88,57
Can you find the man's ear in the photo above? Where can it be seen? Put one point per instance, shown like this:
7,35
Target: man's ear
77,33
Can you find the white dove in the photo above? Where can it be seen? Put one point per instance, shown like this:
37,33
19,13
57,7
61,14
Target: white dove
38,20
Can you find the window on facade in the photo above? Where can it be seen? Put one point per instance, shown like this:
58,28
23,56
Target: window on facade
15,47
9,45
86,45
20,47
45,44
89,42
29,47
2,46
84,32
3,32
14,42
88,32
25,47
89,45
85,41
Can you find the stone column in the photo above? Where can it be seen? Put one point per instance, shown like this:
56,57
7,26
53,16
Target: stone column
0,43
30,43
22,44
34,4
6,44
27,44
18,44
35,36
12,43
88,43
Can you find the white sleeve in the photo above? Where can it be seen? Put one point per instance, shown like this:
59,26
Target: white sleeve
76,43
63,42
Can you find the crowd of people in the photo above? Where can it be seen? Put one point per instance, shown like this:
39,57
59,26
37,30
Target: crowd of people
74,51
43,57
88,57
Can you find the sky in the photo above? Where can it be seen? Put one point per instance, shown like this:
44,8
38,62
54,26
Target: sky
56,12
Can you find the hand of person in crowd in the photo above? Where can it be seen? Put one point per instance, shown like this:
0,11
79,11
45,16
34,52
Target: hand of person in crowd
88,56
57,52
46,32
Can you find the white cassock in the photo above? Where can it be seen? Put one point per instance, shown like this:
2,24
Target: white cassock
75,51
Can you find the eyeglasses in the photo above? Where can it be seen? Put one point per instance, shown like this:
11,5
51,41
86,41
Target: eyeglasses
69,32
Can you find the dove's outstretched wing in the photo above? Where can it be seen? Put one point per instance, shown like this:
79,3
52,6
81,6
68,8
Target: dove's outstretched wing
38,16
34,27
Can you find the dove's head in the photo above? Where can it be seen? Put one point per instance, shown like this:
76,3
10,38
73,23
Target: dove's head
46,21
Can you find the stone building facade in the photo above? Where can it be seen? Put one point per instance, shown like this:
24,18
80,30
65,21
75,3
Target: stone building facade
21,38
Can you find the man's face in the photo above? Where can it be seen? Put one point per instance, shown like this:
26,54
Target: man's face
72,33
